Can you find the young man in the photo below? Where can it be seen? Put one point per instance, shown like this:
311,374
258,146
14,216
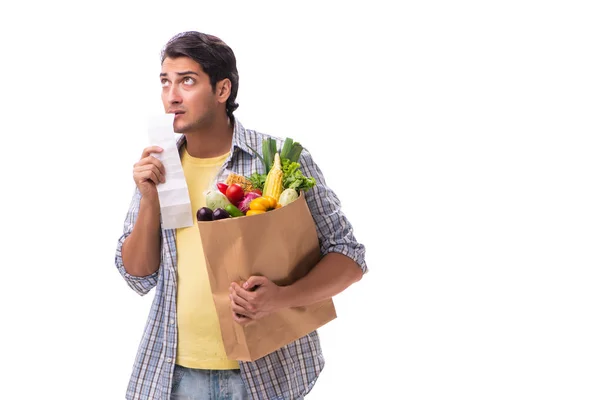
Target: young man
181,354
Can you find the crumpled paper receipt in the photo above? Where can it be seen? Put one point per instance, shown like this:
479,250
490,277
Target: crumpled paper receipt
173,195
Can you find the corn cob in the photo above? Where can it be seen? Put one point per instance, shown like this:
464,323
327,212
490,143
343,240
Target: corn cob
274,182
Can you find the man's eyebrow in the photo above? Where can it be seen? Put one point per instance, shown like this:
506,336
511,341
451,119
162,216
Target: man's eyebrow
180,73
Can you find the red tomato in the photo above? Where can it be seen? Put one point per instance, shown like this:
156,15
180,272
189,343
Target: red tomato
257,191
234,193
222,188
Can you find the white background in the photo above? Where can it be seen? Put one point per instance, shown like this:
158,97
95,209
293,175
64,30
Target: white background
461,137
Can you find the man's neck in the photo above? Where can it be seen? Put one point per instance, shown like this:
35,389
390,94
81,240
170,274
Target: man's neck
212,141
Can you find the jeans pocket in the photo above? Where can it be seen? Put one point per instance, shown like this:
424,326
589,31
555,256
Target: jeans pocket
178,374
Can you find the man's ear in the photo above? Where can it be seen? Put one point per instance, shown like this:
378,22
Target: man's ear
223,90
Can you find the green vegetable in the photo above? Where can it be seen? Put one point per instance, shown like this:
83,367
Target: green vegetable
216,199
258,180
269,149
287,196
290,155
291,150
293,177
233,210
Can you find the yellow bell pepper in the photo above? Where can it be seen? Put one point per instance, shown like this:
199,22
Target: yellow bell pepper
254,212
259,203
272,201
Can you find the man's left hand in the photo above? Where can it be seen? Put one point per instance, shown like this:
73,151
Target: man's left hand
257,298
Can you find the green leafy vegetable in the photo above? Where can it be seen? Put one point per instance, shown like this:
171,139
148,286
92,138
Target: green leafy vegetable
258,180
293,177
290,155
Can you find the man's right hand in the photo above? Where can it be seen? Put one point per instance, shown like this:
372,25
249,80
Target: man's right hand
149,172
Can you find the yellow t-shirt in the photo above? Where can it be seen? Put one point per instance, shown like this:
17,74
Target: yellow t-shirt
199,340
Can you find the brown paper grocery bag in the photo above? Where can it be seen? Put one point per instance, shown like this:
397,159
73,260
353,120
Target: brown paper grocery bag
281,245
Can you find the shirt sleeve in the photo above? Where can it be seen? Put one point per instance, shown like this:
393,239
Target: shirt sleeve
140,284
335,232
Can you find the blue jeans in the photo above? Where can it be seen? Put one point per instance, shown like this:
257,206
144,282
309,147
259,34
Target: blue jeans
199,384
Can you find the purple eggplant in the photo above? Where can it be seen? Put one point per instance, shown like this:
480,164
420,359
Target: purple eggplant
204,214
220,213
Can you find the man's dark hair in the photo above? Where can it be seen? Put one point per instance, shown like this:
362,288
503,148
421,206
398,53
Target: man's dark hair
214,56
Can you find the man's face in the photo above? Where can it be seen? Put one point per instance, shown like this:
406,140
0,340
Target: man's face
187,93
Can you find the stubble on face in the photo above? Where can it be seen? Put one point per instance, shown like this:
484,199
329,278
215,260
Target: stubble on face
189,122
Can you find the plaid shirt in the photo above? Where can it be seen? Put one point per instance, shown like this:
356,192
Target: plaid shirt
287,373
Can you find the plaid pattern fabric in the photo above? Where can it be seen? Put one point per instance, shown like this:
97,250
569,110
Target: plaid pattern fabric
289,372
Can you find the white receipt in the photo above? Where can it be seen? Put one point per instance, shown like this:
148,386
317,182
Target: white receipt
173,195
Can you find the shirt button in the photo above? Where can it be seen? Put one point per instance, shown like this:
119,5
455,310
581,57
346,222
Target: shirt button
169,360
172,321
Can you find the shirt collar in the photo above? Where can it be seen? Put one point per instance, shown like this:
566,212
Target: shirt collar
240,137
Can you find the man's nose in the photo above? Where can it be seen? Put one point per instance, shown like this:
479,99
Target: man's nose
174,96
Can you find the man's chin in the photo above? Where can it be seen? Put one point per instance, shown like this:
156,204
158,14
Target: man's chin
179,128
183,127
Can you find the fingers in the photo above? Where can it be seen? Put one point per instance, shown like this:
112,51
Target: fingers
239,301
241,294
238,309
150,149
149,168
239,314
240,319
148,172
150,160
254,282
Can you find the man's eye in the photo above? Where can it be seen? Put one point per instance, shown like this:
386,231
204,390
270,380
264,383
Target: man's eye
164,83
188,81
